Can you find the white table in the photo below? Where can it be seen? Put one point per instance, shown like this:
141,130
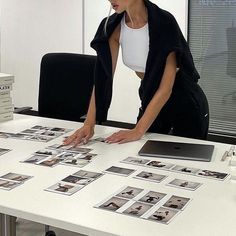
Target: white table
210,213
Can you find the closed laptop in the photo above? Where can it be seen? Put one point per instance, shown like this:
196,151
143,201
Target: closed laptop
176,150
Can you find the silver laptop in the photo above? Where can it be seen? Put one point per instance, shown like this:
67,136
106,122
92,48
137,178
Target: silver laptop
184,151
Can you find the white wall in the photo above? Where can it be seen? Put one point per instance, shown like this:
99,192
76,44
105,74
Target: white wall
31,28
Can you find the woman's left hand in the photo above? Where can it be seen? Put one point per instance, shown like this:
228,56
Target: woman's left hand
124,136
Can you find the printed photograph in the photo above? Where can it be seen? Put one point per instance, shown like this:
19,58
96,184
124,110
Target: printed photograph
177,202
88,174
88,156
29,131
135,161
40,138
185,169
8,184
137,209
79,149
212,174
185,184
48,152
77,180
3,151
149,176
160,165
40,127
50,162
35,159
62,130
129,192
163,215
16,177
64,188
50,133
119,171
152,197
113,204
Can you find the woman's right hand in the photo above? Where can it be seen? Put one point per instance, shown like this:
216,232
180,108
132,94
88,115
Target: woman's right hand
81,135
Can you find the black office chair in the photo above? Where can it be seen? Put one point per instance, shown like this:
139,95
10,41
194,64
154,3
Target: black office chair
66,82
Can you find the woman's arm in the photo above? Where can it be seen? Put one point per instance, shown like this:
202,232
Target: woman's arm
154,107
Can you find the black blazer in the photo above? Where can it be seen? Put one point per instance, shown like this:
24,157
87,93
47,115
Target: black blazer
165,37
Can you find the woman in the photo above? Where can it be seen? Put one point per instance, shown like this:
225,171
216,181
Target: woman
153,46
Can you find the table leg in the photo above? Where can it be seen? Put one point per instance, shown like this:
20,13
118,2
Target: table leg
8,225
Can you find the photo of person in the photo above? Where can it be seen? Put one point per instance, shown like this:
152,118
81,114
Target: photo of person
35,159
113,204
188,185
119,171
149,176
163,215
212,174
137,209
50,162
64,188
8,184
87,157
48,152
135,160
185,169
16,177
129,192
88,174
159,164
77,180
177,202
152,197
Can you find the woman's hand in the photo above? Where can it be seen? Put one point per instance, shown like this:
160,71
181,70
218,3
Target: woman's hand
124,136
81,135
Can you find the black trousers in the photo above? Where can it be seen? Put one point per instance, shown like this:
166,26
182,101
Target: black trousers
185,114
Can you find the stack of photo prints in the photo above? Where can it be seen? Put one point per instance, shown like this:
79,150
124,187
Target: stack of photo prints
73,183
37,133
145,204
59,154
12,180
176,168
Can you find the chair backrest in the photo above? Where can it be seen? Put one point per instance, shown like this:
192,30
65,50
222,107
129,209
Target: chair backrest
66,82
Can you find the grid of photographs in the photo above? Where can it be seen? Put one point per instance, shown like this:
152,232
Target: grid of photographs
176,168
75,182
145,204
12,180
37,133
59,154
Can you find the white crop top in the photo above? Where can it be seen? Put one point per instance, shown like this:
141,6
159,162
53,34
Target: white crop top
134,46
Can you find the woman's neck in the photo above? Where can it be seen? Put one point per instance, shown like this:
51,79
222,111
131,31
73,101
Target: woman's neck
136,15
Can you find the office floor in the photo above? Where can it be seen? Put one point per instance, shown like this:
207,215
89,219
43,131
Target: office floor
28,228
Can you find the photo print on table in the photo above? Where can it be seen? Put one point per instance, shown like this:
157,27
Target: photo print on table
135,161
8,184
119,171
113,204
184,169
149,176
152,197
160,165
184,184
88,174
129,192
177,202
16,177
213,174
137,209
64,188
4,150
77,180
163,215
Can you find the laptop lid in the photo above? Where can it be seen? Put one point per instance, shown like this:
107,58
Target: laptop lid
175,150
